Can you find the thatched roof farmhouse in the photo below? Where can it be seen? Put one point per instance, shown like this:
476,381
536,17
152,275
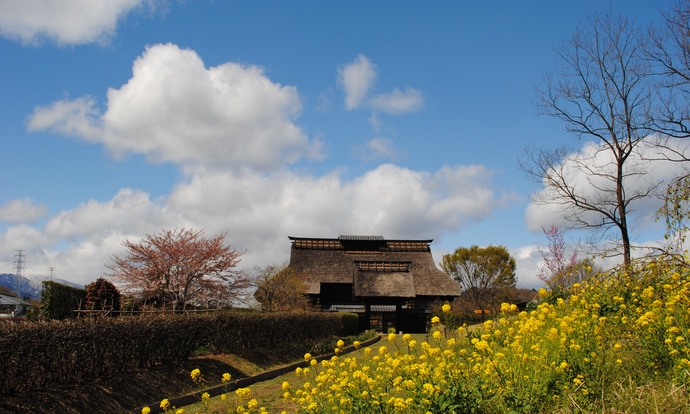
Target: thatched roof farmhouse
389,283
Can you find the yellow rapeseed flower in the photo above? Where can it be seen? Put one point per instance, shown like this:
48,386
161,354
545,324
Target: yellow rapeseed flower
243,392
445,308
145,410
196,375
226,377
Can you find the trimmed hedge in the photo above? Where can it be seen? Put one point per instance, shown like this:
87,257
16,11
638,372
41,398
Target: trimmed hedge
58,301
350,323
37,355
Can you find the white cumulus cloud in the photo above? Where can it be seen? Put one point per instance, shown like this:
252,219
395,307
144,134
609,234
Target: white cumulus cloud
129,212
399,101
356,79
78,117
22,211
528,262
67,22
378,148
21,236
174,109
262,210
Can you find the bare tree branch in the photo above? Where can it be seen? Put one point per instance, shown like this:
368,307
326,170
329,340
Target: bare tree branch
602,92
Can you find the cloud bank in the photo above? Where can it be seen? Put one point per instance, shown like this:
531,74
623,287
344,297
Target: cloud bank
261,210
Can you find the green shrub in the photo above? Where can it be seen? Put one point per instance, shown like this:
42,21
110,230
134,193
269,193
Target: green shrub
102,295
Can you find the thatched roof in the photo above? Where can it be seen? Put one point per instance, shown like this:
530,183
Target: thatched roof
377,267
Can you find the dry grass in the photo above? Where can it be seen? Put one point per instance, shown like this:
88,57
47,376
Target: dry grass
629,398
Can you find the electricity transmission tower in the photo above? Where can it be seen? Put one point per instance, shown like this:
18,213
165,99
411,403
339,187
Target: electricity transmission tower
19,262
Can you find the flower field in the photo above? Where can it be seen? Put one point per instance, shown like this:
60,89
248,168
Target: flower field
616,343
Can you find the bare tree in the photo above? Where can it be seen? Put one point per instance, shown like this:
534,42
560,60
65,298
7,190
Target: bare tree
668,49
603,94
180,266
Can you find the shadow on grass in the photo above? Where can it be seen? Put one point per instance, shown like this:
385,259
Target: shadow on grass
127,391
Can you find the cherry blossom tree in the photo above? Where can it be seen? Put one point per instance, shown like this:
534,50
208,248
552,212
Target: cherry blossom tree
561,269
556,261
181,266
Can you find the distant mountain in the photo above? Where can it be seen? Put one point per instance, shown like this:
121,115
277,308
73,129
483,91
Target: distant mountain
24,285
29,288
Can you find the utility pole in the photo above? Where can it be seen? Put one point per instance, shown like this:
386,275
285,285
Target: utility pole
19,262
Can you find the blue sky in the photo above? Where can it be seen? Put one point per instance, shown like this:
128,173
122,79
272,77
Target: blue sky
271,118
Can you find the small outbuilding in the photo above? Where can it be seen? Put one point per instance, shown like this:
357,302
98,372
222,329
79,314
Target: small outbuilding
12,307
388,283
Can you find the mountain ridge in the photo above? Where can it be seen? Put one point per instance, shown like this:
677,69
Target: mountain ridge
29,288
